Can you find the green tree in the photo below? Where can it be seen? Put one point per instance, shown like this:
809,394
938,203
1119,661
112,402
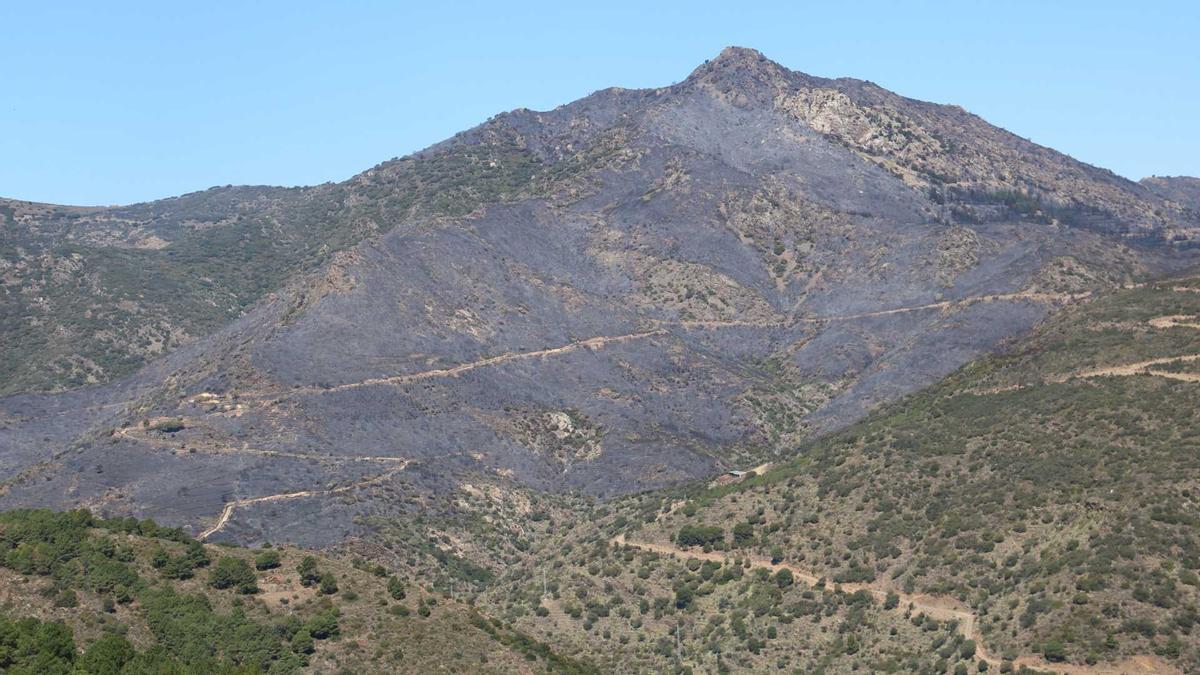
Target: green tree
967,650
395,588
196,556
743,534
328,584
302,642
230,572
323,625
32,646
106,656
178,568
784,578
700,535
309,574
684,596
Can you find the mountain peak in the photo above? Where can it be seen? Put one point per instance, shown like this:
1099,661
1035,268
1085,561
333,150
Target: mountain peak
735,54
737,60
740,69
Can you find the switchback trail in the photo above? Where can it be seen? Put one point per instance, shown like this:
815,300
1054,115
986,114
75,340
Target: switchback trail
230,507
940,608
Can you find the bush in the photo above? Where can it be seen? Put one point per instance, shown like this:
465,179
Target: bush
395,588
67,598
784,578
684,597
700,535
309,574
106,656
267,560
302,642
168,426
323,625
967,650
230,572
328,584
1054,651
743,534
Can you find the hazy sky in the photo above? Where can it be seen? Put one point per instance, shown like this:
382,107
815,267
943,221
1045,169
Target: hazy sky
119,102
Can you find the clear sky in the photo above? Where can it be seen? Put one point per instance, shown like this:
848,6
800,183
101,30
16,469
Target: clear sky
113,102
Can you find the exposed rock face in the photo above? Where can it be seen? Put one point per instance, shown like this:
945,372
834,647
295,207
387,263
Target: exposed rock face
693,277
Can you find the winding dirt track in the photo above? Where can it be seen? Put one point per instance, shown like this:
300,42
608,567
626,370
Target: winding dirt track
590,343
230,507
940,608
1147,367
604,340
1033,296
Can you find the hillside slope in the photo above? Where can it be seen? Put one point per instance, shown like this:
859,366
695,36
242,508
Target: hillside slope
633,290
87,596
1047,493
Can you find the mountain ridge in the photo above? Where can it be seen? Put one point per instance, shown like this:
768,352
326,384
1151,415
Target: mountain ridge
635,289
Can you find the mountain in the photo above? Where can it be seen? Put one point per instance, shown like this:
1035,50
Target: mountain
758,371
637,289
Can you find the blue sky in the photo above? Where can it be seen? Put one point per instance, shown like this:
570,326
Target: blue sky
120,102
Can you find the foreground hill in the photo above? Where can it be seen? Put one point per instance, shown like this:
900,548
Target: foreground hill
78,595
633,290
1040,502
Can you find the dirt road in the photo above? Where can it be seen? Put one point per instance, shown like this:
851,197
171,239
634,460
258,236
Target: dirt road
940,608
1148,367
590,343
230,507
602,341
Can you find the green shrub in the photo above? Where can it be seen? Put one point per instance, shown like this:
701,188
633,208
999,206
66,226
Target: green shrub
700,535
267,560
230,572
